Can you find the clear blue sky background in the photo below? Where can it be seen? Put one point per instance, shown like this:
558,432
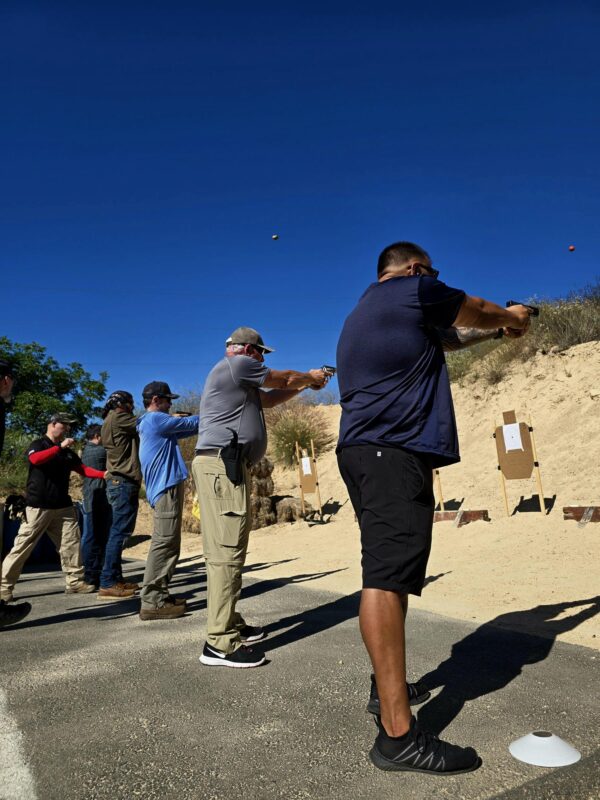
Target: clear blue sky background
151,150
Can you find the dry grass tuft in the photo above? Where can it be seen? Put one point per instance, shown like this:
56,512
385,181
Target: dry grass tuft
296,422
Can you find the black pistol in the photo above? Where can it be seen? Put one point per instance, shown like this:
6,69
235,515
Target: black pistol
534,311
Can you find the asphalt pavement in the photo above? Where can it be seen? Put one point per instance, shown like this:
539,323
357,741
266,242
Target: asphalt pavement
99,705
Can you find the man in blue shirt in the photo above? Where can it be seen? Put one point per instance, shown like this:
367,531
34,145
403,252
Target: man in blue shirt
397,425
164,474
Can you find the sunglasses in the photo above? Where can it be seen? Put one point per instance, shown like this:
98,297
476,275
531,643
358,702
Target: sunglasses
433,273
260,349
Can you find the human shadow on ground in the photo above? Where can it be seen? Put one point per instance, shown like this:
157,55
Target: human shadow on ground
266,564
110,610
450,505
494,655
532,504
310,621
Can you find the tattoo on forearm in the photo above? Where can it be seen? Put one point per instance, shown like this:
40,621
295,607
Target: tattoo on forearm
458,338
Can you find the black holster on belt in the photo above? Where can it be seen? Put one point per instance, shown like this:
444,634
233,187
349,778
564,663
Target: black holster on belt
233,459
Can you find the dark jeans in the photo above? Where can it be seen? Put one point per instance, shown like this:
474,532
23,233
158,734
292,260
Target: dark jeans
97,517
123,496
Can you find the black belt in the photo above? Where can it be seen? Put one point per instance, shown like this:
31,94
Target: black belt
209,452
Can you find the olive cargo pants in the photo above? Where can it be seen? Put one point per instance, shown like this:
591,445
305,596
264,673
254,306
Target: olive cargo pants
225,523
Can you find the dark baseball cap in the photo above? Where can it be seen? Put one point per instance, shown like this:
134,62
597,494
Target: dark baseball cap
65,419
158,388
6,368
245,335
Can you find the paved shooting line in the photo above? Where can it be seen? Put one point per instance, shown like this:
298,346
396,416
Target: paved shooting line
16,780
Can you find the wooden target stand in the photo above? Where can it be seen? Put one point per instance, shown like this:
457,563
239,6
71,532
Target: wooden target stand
308,477
458,517
517,455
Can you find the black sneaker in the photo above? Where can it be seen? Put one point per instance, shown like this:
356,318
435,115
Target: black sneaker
252,633
9,615
242,658
417,693
418,751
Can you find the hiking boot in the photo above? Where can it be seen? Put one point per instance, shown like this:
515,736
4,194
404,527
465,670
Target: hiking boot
81,587
417,693
168,611
251,633
418,751
242,658
116,592
177,601
9,615
134,587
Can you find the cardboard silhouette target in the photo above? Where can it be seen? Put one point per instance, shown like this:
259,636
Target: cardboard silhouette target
517,456
308,476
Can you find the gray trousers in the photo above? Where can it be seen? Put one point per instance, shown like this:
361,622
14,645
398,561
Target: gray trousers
164,548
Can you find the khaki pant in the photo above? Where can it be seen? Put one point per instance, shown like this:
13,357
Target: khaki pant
225,520
164,548
62,527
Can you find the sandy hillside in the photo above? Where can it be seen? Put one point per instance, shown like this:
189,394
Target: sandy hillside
483,570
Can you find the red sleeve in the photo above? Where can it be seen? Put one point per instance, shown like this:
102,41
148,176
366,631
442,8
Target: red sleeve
41,456
89,472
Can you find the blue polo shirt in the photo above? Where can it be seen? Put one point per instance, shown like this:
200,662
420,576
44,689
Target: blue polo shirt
394,387
160,456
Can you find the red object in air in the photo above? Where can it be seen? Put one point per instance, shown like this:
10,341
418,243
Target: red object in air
571,247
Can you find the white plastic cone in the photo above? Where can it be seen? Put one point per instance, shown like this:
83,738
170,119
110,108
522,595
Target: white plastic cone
544,749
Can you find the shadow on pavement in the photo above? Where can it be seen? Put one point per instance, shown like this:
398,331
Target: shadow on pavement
108,610
310,621
491,657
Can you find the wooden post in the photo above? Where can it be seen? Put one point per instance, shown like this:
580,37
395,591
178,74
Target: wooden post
536,465
438,484
317,490
501,476
299,459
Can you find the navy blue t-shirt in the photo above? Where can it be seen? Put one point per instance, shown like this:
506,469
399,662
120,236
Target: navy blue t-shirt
394,387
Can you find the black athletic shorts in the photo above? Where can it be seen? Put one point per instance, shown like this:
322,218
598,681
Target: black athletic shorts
392,493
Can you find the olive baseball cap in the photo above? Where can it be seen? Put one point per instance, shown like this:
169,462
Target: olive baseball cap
245,335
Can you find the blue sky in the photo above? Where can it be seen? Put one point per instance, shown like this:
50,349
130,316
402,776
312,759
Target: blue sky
150,151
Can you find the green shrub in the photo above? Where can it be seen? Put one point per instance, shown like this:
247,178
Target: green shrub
13,465
296,422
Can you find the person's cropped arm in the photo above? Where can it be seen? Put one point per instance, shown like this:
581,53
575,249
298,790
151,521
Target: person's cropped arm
289,379
88,472
181,427
475,312
277,396
454,339
42,456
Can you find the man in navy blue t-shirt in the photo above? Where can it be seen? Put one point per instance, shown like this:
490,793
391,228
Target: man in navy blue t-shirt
397,425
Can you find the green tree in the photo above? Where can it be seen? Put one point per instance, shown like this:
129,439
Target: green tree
43,387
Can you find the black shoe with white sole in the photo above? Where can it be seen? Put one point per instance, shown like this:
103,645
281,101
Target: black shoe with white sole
252,633
418,751
417,693
242,658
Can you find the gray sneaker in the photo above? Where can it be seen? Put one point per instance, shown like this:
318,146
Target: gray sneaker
80,588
